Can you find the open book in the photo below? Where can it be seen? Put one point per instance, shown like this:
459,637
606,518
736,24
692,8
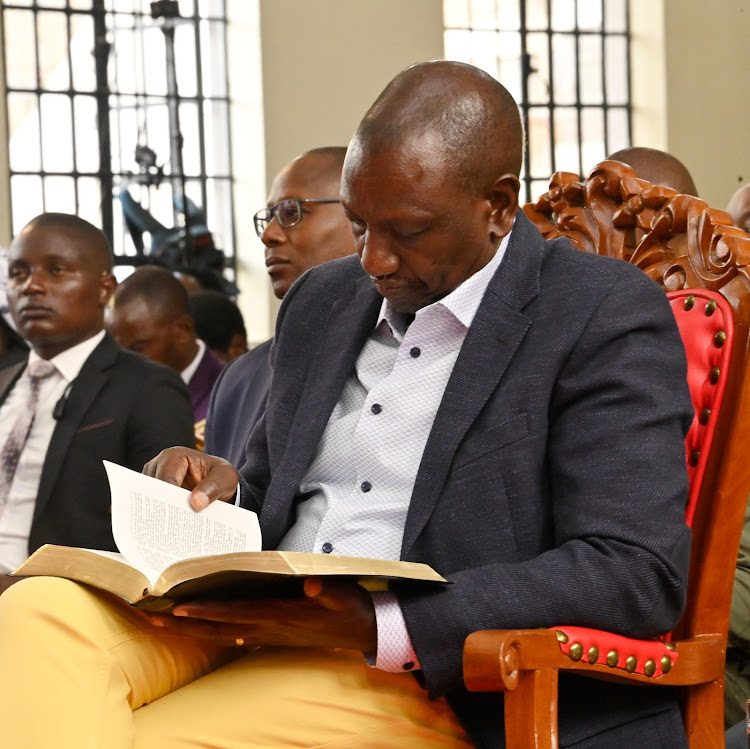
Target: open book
170,553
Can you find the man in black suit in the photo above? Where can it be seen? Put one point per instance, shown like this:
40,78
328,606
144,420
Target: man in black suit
298,233
509,410
98,402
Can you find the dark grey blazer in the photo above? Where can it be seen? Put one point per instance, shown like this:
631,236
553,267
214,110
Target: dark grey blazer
237,402
552,486
121,407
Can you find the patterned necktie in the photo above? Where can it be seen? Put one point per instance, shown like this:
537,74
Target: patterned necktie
19,433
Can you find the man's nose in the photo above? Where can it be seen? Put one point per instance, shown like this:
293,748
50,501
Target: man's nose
377,256
33,283
273,235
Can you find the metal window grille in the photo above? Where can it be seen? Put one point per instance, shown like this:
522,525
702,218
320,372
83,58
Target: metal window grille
86,81
566,62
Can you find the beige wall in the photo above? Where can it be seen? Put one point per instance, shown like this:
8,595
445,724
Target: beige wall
323,63
691,62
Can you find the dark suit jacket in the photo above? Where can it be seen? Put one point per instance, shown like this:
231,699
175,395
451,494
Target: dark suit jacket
553,484
202,382
122,407
237,402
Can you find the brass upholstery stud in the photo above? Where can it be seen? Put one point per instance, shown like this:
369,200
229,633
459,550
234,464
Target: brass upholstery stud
713,375
666,663
593,654
561,636
703,416
631,663
710,308
649,667
576,651
670,646
720,338
694,455
612,658
689,302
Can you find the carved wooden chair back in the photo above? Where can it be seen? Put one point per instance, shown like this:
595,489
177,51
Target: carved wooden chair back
704,264
682,244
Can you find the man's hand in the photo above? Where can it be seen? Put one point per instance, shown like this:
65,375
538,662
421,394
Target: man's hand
332,614
208,477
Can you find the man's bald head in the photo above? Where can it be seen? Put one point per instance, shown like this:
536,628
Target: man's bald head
158,288
658,168
739,208
151,315
469,120
89,241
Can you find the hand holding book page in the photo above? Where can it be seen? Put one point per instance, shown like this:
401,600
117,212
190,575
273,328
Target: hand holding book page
154,525
171,552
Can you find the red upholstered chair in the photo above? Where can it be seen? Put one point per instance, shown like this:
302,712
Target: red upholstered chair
702,262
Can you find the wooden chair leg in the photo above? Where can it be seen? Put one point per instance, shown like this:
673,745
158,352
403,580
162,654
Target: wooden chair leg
703,715
531,711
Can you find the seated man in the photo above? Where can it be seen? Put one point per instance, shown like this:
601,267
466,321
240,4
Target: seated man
657,167
508,410
91,401
297,236
151,315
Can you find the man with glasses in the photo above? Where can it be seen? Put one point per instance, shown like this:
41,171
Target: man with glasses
303,226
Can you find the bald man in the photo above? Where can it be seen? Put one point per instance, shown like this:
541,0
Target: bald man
302,226
739,208
442,398
657,167
95,403
151,315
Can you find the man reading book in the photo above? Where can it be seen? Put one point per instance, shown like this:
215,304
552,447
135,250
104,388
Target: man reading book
509,410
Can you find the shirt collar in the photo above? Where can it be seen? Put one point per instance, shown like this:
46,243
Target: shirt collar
69,362
189,371
463,302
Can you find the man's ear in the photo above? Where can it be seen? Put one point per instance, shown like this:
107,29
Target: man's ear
503,199
107,286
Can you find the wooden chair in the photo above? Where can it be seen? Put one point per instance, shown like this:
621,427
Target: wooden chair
704,264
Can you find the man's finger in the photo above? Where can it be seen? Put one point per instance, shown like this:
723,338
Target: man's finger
330,594
218,483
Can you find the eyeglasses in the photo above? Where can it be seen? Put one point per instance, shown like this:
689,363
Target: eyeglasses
287,213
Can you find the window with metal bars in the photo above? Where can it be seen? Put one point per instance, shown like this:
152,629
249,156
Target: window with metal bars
86,82
566,63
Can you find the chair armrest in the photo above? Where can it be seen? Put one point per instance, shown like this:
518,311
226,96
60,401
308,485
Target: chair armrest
494,659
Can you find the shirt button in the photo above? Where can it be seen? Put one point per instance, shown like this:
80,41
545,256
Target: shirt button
366,486
376,408
415,352
327,547
408,666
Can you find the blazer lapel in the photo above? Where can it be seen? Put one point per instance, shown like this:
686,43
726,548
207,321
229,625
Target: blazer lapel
91,379
491,342
8,377
351,320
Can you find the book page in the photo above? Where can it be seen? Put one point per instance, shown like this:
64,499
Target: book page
154,525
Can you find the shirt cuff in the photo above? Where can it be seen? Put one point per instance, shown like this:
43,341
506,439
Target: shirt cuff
395,651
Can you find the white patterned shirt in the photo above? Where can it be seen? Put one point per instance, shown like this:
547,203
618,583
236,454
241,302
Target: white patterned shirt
361,480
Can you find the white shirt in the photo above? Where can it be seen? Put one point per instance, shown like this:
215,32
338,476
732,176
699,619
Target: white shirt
361,479
189,371
16,515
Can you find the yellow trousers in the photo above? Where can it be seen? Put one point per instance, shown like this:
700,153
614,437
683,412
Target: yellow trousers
79,670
